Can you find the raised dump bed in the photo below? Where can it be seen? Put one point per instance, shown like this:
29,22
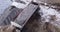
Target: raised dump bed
25,15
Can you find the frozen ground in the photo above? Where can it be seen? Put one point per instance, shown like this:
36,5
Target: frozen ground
3,5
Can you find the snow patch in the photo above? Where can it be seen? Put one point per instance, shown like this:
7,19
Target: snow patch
48,12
